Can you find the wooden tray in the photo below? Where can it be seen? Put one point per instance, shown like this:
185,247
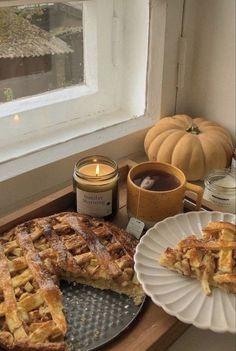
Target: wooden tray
154,329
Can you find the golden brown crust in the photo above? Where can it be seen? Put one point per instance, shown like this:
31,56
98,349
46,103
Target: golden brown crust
13,320
95,246
34,254
48,289
26,346
211,259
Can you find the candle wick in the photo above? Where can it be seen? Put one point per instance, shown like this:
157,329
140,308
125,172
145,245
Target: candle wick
97,170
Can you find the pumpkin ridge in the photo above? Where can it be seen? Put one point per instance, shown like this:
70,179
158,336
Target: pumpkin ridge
228,149
208,124
217,151
185,155
176,146
154,146
171,120
165,145
222,143
154,132
184,120
181,153
205,150
198,120
217,129
203,158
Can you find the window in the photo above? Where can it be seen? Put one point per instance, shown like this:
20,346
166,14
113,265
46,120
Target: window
109,100
41,48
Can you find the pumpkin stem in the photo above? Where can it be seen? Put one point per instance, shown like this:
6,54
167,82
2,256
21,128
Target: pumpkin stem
193,129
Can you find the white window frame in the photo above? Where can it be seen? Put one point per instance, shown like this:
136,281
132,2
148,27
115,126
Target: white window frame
111,124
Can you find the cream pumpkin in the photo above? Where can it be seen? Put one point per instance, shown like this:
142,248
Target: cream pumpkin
195,145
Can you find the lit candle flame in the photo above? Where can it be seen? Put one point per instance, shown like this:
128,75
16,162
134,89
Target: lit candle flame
97,170
16,118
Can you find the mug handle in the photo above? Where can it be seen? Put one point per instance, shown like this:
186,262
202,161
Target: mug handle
198,190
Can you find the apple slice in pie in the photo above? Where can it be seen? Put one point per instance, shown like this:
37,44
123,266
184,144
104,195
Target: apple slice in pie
211,259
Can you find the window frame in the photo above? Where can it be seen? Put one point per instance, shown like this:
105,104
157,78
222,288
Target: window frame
118,123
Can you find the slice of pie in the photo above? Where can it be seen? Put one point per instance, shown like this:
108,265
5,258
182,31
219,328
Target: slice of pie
211,259
35,255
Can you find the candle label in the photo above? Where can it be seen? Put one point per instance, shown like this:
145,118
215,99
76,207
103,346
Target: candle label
94,204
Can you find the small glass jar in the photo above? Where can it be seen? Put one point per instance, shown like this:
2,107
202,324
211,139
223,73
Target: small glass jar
220,189
95,182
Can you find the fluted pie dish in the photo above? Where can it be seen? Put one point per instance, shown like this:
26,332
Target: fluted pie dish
187,265
36,255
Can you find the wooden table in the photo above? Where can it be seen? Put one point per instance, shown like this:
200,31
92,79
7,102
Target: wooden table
153,329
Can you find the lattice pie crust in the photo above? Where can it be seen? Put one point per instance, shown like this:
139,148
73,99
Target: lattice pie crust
35,255
211,259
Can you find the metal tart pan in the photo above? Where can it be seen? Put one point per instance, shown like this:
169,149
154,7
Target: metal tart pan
94,316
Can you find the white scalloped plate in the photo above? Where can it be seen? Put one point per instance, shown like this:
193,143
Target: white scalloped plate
178,295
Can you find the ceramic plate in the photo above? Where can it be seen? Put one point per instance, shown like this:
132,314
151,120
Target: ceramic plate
178,295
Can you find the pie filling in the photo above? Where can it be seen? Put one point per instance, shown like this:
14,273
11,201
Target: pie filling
211,259
35,255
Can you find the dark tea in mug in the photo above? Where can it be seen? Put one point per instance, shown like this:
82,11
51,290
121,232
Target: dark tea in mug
156,180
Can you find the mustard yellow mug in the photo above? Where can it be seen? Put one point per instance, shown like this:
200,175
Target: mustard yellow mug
151,206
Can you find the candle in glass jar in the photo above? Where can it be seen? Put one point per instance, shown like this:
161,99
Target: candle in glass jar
220,188
96,186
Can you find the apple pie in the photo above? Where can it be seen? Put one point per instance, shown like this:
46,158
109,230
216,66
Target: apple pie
36,255
211,259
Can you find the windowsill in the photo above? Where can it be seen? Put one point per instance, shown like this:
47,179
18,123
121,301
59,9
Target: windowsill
67,140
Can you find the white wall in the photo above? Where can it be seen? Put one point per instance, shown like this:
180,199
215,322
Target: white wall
209,27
